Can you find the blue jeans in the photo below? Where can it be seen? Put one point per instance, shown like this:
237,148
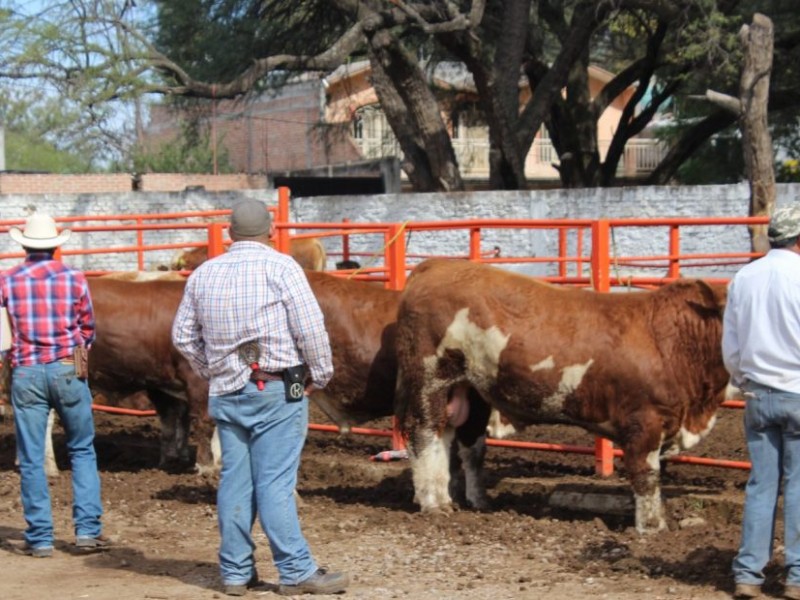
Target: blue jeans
772,426
34,391
262,436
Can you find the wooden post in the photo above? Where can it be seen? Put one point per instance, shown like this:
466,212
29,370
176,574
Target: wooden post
751,110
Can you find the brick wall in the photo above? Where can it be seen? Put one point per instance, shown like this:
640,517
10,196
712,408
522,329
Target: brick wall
276,132
176,182
20,183
101,183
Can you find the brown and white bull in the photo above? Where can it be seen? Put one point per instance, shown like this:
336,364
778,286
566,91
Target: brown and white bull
360,319
643,369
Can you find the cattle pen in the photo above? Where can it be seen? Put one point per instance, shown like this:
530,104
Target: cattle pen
591,253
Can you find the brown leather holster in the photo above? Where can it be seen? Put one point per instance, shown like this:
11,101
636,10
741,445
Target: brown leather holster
81,357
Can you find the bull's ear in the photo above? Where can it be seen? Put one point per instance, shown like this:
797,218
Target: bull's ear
716,296
718,291
705,311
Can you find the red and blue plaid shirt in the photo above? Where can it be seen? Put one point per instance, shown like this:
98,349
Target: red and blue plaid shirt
50,310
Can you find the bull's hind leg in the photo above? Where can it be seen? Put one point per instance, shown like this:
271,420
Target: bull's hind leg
430,468
174,443
470,458
642,448
469,452
421,410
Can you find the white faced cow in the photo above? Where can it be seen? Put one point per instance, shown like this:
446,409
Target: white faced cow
642,368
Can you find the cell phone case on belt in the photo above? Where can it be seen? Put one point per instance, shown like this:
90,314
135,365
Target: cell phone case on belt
294,382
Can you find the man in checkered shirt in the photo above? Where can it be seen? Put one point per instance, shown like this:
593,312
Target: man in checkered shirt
245,318
50,311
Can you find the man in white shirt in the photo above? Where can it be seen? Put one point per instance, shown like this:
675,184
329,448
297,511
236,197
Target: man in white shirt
761,350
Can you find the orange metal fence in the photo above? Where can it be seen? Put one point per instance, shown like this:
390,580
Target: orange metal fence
586,254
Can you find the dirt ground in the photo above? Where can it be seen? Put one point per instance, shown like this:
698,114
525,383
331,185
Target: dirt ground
359,517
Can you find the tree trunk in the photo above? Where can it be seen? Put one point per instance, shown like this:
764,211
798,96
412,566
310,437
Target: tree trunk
756,139
413,113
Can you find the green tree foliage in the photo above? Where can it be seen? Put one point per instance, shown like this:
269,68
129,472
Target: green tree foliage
24,153
33,122
75,60
216,40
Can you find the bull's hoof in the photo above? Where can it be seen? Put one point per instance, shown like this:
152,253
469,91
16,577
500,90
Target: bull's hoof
444,509
480,504
209,470
651,527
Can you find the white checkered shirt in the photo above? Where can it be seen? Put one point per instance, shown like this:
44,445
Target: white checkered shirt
250,293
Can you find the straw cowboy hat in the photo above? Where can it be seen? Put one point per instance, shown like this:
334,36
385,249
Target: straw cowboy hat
40,233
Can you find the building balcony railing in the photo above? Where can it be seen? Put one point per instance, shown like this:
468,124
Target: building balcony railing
641,156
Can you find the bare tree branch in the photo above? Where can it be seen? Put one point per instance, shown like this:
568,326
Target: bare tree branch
729,103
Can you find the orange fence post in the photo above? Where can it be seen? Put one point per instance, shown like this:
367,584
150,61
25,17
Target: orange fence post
601,278
601,253
216,244
475,244
562,252
140,245
282,235
395,257
674,252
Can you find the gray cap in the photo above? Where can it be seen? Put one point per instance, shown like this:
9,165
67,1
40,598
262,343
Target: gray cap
784,224
250,218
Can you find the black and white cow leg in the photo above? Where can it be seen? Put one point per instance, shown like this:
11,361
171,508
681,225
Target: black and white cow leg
215,465
469,451
216,450
471,459
430,467
642,459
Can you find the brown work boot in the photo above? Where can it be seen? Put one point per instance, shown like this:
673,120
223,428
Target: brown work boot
38,551
240,589
100,542
320,582
747,590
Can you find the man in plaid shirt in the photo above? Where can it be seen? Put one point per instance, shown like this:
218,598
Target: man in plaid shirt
50,312
246,317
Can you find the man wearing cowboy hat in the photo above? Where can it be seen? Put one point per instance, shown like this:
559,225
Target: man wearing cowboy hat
51,315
